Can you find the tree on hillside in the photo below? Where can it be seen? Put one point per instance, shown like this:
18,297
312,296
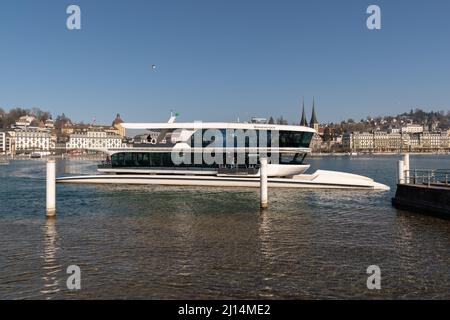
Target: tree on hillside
2,118
327,134
281,120
13,115
39,114
62,120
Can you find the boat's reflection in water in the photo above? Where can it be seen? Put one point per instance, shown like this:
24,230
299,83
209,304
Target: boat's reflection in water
76,167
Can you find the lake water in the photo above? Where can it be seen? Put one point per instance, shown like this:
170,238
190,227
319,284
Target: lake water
155,242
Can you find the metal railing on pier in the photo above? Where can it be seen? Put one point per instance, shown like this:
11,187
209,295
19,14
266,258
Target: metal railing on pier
428,177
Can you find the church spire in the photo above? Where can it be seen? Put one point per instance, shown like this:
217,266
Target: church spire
314,123
303,122
313,115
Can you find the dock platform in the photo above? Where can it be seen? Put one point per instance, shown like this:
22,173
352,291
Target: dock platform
424,191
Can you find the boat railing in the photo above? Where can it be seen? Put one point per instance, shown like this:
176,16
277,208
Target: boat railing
238,169
108,165
169,148
428,177
105,165
152,145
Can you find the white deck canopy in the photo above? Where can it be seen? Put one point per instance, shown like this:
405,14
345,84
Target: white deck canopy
215,125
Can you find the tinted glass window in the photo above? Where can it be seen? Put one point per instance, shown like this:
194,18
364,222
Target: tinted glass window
296,158
293,139
148,160
287,139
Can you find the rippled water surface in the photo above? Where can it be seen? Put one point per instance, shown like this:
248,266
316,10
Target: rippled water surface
179,242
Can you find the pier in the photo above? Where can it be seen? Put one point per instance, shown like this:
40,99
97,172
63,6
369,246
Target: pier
423,190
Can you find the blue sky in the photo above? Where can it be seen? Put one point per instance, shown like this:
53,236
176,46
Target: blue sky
220,60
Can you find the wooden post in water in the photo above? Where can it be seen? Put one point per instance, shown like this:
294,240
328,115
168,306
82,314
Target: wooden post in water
263,182
51,189
401,172
406,167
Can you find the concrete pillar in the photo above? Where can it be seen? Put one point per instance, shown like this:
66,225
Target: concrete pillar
263,180
406,166
401,172
51,188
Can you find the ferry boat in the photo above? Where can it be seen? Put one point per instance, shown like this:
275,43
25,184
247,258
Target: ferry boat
235,164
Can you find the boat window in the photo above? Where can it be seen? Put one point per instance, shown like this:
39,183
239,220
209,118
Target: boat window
295,158
287,139
150,159
294,139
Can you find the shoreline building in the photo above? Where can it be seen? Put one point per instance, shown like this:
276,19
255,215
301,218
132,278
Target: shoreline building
117,123
29,140
381,141
412,128
93,139
24,122
29,135
3,142
434,141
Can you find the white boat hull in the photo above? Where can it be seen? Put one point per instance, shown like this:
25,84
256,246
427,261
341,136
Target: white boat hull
274,170
320,179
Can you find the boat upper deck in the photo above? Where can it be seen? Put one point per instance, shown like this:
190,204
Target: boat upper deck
215,125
